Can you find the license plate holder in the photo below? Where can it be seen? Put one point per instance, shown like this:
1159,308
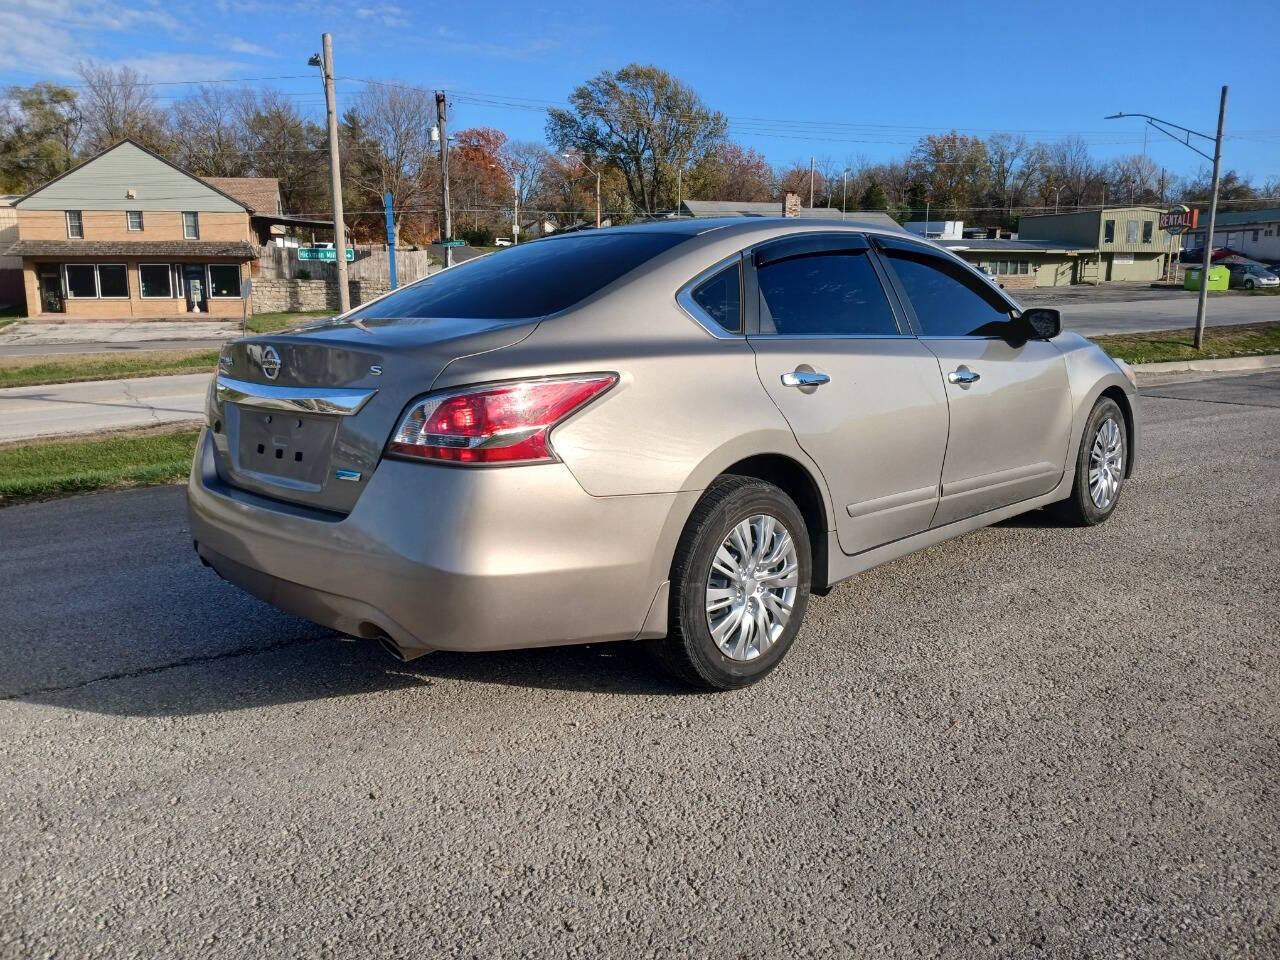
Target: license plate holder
295,447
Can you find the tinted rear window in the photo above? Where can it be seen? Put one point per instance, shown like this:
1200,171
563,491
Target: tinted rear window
527,280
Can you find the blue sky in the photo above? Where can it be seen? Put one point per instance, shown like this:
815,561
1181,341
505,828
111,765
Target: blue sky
836,80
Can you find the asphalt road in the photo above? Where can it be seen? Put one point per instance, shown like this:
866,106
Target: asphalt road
1172,311
1031,742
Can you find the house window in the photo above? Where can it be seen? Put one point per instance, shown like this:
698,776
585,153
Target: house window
75,225
1024,266
1146,231
1255,236
133,220
82,281
1109,232
1131,232
191,226
155,281
224,280
113,281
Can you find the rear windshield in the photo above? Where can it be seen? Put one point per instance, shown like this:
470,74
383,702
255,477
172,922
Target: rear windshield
524,281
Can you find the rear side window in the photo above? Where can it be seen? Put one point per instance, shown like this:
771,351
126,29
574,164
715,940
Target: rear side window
525,281
829,295
947,301
721,298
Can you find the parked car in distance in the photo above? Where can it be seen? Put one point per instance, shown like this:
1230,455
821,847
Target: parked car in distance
502,241
1252,276
673,433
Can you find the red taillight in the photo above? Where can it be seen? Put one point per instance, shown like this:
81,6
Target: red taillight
502,423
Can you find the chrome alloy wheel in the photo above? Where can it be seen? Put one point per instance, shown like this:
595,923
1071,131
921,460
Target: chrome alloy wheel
1106,464
752,587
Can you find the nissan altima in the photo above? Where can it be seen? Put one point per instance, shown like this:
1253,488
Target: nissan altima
672,433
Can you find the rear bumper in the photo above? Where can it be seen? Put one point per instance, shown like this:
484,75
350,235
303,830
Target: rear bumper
448,558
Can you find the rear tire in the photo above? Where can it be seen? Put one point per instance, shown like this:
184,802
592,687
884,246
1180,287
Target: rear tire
1100,467
739,585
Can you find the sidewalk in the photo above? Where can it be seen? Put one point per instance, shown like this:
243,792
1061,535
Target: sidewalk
85,408
27,338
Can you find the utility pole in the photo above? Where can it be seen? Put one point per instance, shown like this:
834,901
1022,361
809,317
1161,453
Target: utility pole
335,176
844,192
1213,216
1183,135
447,214
811,183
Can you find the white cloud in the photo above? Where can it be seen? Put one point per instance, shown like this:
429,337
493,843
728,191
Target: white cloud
244,47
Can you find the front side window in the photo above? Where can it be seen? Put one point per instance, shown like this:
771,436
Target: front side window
721,298
525,281
833,295
113,280
1109,232
133,220
1147,228
155,280
1131,232
75,225
946,300
191,226
81,281
224,280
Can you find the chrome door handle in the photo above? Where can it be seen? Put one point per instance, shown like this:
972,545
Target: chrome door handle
963,376
804,378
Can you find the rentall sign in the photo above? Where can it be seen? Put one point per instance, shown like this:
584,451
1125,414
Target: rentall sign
1179,219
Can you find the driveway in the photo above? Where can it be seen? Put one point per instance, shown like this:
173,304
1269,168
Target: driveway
1030,742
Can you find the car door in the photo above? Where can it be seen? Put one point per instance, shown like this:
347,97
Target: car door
1009,397
861,394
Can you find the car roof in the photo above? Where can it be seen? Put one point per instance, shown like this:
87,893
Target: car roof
697,226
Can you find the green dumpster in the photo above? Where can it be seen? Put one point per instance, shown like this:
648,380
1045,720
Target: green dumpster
1219,278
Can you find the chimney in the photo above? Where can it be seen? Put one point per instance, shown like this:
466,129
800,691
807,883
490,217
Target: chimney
791,204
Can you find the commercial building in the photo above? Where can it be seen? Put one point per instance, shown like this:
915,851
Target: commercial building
936,229
1251,233
1019,264
1126,242
10,267
129,234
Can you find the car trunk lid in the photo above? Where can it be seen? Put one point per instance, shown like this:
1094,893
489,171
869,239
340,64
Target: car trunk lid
304,415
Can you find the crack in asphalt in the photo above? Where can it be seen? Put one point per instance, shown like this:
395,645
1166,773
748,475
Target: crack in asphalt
1229,403
245,651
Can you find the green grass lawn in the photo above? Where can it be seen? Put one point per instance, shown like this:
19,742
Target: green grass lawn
40,469
271,322
70,368
1241,340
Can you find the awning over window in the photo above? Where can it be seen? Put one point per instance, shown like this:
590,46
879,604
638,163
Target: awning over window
132,248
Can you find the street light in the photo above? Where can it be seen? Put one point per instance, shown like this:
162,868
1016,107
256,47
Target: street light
1185,139
1057,191
578,157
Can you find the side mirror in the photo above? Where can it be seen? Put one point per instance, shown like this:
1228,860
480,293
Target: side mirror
1043,323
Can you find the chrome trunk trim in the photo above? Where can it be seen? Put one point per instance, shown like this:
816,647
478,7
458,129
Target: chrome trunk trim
342,401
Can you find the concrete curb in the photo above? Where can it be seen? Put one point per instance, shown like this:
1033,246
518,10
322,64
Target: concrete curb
1224,365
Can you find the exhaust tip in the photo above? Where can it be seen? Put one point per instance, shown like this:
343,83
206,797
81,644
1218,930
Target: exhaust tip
371,631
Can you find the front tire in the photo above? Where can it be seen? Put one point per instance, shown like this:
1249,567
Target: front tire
739,585
1100,467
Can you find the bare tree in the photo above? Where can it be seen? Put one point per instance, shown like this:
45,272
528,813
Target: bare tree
211,137
389,139
526,163
117,103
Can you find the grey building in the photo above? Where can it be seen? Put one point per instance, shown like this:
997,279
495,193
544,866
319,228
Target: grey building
778,208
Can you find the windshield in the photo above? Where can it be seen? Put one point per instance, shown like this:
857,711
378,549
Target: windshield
525,281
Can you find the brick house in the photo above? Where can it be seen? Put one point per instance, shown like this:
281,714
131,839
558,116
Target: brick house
129,234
